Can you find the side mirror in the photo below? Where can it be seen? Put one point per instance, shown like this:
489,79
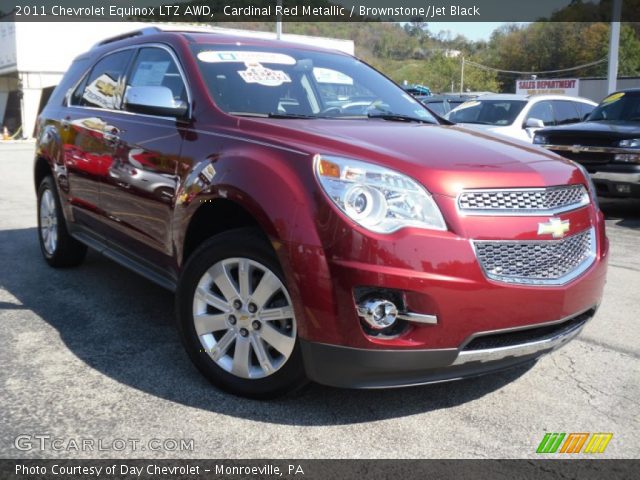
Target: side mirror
533,123
154,100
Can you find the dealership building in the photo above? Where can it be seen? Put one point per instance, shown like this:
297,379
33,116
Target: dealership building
35,55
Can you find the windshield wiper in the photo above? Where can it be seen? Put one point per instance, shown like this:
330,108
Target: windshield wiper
291,115
274,115
394,117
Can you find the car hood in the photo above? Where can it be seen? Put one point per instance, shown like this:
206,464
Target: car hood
482,126
446,159
616,129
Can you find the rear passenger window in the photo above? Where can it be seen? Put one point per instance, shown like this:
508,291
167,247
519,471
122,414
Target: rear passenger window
155,67
566,112
103,87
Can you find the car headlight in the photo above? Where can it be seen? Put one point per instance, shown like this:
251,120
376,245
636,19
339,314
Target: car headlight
539,139
590,185
377,198
629,143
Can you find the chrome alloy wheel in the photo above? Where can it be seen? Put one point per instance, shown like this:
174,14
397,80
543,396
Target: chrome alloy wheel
48,222
244,319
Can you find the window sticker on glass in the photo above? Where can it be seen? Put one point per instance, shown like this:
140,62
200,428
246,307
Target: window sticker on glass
613,98
256,73
326,75
102,92
212,56
150,74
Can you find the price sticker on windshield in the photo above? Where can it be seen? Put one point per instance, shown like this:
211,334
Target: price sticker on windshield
256,73
219,56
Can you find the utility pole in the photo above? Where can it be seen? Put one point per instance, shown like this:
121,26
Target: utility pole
614,46
279,23
462,77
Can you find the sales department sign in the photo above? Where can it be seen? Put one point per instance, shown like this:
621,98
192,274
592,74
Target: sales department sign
564,86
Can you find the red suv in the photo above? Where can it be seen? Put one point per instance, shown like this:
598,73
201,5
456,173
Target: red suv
314,220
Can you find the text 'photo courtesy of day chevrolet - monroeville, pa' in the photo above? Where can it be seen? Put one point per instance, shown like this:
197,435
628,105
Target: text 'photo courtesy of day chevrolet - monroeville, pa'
319,239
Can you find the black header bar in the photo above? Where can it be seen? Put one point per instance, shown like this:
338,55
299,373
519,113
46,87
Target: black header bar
208,11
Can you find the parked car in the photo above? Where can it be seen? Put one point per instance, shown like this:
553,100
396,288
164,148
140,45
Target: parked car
519,116
417,90
443,104
607,144
378,249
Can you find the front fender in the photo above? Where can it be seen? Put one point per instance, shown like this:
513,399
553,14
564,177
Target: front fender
278,189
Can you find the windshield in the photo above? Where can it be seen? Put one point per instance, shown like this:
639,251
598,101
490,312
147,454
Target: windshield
297,83
616,107
487,112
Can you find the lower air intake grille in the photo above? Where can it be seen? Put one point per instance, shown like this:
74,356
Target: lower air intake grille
528,335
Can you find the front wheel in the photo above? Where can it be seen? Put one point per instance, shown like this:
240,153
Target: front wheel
236,317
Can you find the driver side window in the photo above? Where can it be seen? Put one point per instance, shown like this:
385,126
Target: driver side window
155,67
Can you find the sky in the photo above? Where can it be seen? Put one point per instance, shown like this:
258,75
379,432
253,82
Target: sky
471,30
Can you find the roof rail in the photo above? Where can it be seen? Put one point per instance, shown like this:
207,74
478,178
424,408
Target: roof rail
134,33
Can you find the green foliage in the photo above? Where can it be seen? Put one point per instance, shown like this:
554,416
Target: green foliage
544,46
414,53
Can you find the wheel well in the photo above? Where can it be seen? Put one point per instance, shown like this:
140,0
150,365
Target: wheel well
214,218
41,170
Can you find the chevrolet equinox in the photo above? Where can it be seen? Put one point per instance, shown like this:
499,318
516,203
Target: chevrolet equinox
314,220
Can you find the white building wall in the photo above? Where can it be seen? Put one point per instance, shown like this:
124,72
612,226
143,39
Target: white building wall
8,51
597,88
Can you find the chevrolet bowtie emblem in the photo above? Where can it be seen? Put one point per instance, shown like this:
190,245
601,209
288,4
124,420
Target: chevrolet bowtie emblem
576,148
554,227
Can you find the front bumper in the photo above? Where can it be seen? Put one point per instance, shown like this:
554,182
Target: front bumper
482,353
620,181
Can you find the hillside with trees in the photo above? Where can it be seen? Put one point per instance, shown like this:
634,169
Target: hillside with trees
418,53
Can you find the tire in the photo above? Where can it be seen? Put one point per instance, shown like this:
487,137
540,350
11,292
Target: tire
242,338
58,247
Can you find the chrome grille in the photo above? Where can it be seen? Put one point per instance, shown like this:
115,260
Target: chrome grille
523,201
537,262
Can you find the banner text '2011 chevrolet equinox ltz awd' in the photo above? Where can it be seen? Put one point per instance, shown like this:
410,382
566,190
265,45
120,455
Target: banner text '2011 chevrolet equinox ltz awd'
314,220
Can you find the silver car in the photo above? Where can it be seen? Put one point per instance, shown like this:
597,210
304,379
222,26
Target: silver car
519,116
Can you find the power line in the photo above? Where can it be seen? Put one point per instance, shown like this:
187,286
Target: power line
515,72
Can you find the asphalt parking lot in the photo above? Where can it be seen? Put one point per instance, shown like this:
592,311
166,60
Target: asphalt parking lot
91,353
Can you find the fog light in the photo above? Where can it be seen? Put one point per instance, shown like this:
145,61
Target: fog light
623,188
379,314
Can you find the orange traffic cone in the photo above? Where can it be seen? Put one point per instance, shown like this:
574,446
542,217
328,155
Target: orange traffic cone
5,134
